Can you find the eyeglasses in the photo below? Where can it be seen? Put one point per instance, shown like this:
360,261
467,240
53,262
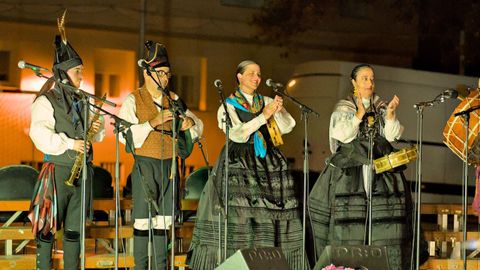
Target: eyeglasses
162,73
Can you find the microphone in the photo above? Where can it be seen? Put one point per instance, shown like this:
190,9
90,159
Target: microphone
449,93
22,64
143,64
446,94
66,82
271,83
218,83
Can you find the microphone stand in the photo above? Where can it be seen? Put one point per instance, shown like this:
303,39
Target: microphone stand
371,132
75,90
200,145
148,198
228,124
420,106
86,104
85,96
177,111
305,110
466,117
83,219
120,126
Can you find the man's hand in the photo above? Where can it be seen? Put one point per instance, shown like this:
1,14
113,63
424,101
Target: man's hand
163,116
96,126
78,146
187,123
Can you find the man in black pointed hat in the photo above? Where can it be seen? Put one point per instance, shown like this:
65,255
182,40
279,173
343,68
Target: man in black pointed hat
151,135
57,130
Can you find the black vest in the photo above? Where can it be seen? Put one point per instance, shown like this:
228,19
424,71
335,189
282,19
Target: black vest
67,120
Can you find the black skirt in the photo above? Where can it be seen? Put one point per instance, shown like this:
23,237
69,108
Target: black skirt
263,209
338,205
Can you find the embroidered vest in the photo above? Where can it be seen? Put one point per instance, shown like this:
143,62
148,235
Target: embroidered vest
157,145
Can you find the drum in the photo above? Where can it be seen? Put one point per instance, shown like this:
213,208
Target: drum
195,183
454,131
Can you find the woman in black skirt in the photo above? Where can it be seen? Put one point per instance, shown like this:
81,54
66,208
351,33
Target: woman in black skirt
263,206
338,201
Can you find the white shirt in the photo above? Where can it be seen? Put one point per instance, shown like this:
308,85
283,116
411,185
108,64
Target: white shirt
240,132
42,129
140,131
344,127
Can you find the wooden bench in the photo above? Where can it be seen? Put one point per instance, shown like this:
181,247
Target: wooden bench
435,208
10,232
25,232
92,261
441,264
27,261
98,204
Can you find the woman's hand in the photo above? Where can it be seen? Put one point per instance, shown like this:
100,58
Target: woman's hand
392,107
361,108
270,109
279,101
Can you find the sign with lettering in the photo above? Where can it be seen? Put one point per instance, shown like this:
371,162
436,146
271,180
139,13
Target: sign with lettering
268,258
360,256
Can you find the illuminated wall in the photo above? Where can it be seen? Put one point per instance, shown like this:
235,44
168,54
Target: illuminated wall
114,53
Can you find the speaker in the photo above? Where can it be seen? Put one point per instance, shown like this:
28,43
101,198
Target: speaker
268,258
362,257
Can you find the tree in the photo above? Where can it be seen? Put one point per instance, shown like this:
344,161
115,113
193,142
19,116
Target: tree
436,27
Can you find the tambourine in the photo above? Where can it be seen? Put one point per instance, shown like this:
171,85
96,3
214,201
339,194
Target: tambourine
395,159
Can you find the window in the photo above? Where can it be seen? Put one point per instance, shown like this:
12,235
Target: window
243,3
4,65
99,85
184,88
115,72
189,80
114,85
354,9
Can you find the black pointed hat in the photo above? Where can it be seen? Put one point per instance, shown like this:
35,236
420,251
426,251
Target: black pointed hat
65,55
156,55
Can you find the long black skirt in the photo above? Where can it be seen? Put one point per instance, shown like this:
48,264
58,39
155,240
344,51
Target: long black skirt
263,208
338,209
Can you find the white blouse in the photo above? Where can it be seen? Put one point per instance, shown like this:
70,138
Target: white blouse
42,129
240,132
344,127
